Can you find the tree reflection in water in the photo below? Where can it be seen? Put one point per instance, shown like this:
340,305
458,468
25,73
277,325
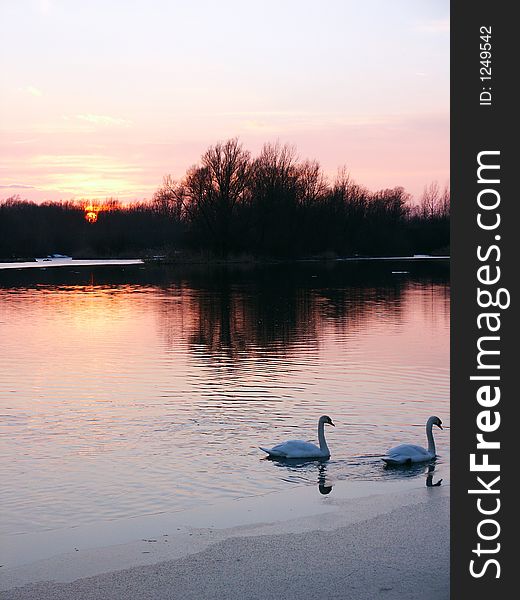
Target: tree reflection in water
242,312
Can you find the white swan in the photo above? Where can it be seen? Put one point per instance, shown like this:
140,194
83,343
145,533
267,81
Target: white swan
301,449
410,453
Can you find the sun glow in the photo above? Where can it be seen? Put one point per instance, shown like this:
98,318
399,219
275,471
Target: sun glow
92,207
95,176
91,211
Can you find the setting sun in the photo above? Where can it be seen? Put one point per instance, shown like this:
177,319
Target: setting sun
91,212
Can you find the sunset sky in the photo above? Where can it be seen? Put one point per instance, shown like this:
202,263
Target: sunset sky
103,97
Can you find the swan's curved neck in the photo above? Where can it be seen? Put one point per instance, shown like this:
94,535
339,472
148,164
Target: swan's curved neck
321,437
429,435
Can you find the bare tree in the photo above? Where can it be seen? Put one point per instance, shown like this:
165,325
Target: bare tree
389,205
347,207
445,201
312,184
275,167
347,192
168,200
429,200
199,203
434,203
216,188
273,195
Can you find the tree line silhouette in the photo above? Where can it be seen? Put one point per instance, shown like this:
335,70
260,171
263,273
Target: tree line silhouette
230,203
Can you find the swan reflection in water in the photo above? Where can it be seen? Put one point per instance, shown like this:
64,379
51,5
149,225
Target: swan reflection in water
302,470
413,470
324,486
429,477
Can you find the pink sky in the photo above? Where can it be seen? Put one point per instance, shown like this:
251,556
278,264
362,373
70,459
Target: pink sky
104,98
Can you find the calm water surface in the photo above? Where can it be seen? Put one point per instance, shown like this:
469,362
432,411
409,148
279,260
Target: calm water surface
131,391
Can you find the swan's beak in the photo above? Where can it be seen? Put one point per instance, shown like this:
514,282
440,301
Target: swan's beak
439,426
331,423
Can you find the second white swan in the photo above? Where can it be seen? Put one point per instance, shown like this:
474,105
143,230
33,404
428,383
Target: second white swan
301,449
410,453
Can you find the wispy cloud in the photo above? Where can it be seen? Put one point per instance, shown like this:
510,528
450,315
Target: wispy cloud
89,175
287,122
17,186
103,120
93,164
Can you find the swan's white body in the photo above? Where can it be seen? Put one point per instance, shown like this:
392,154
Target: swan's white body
301,449
410,453
407,453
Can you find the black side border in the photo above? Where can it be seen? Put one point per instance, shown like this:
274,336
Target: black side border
478,126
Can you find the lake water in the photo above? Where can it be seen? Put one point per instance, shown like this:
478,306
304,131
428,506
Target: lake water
129,391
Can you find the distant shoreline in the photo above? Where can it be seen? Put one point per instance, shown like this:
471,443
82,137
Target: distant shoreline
255,260
100,262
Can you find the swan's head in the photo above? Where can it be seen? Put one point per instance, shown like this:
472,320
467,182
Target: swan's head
327,420
435,421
